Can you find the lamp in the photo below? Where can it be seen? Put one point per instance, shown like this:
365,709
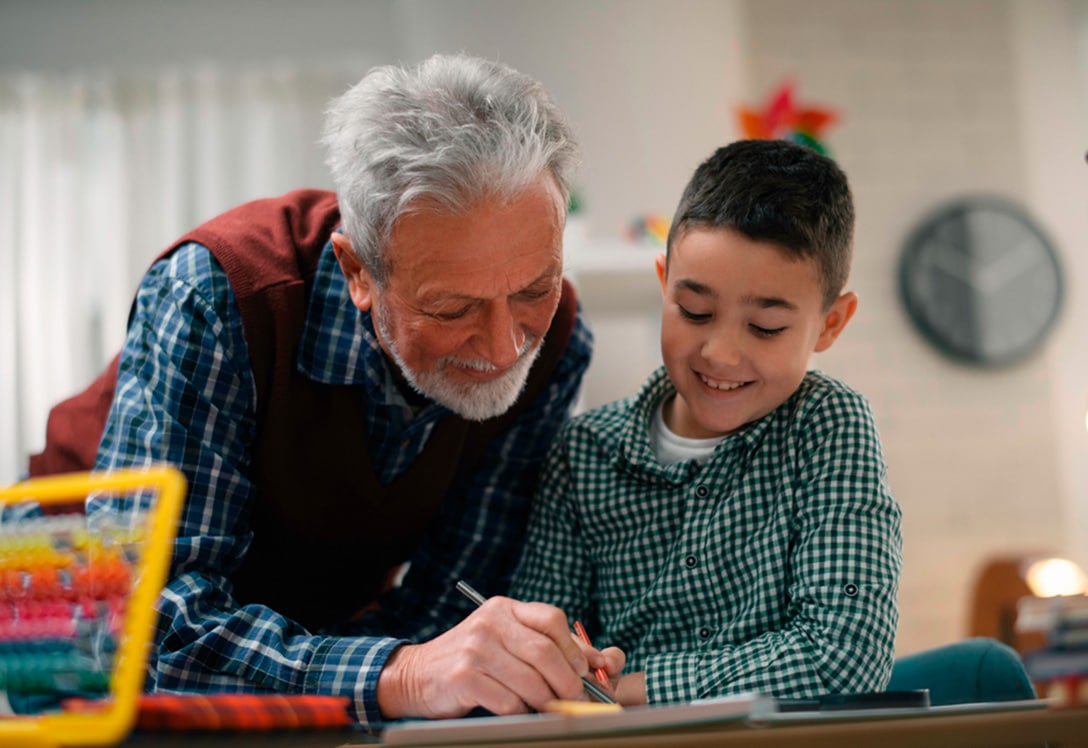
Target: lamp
1051,577
1005,581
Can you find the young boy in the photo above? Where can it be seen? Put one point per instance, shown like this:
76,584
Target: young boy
730,527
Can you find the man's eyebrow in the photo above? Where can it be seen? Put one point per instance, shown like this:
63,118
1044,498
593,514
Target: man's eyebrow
548,277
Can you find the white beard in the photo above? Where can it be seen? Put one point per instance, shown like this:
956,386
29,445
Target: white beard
472,400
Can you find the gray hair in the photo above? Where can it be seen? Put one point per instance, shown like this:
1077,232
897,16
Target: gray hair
455,130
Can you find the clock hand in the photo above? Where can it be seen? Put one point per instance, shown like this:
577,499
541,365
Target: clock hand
1009,266
955,267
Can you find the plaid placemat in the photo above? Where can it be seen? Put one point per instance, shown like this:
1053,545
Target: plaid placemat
187,712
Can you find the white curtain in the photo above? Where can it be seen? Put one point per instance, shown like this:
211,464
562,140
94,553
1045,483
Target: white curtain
99,173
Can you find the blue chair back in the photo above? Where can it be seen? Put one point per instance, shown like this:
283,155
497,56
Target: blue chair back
964,672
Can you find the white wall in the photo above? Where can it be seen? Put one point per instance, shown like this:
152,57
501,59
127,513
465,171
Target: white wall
945,99
1052,60
937,99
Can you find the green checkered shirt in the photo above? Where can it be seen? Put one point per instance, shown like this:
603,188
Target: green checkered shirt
772,567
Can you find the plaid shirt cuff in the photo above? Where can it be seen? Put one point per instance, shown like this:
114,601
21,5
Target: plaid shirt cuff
670,677
350,666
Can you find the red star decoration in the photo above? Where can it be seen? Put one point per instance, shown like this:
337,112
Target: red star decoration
781,119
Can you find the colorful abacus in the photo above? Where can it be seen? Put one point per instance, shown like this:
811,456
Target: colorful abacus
82,559
62,601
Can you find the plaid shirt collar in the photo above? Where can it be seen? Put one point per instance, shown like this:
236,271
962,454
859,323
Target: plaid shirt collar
634,450
338,344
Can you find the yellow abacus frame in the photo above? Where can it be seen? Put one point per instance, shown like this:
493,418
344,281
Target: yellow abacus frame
115,720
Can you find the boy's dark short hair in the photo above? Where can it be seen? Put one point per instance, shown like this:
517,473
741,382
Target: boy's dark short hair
779,192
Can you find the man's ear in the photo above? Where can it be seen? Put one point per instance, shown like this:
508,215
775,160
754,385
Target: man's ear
661,265
842,309
359,281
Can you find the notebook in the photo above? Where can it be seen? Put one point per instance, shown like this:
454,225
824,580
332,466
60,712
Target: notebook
83,558
744,710
627,720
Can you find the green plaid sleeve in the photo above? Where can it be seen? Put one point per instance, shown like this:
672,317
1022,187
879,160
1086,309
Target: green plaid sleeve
554,567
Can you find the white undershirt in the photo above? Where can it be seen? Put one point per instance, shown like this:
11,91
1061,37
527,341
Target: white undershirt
670,448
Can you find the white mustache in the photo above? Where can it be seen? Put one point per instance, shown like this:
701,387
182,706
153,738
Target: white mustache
480,364
476,364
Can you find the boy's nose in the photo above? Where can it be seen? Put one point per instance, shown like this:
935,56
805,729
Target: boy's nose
723,348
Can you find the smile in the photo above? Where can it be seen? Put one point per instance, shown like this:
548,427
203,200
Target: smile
721,386
477,371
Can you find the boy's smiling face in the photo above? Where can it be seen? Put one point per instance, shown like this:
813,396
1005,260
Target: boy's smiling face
740,323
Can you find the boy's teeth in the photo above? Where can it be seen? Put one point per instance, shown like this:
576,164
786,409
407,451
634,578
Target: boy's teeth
720,385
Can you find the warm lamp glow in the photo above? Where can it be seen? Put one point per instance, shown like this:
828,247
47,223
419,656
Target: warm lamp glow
1001,588
1051,577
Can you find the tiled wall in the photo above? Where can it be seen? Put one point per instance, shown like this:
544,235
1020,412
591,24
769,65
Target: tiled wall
927,95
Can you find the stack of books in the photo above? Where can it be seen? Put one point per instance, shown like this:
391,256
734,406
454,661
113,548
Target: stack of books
1060,668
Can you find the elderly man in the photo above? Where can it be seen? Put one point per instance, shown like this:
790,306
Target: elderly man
359,381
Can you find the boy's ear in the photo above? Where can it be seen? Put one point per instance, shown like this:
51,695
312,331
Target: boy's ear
835,319
660,265
359,281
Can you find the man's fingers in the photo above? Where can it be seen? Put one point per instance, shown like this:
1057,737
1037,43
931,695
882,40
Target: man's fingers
552,623
496,697
506,656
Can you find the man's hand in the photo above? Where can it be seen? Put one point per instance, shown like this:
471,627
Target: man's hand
506,657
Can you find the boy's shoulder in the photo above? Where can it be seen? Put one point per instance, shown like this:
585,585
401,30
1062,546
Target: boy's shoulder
604,419
817,384
823,396
613,420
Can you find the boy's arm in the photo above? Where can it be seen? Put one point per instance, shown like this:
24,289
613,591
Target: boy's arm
838,634
554,566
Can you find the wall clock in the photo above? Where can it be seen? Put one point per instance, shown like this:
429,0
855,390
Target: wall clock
981,281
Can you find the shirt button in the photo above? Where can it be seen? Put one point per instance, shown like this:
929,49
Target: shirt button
691,562
705,632
702,491
851,590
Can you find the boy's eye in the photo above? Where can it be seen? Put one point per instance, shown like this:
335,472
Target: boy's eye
766,332
692,315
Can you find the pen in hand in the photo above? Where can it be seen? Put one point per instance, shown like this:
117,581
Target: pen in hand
591,688
580,630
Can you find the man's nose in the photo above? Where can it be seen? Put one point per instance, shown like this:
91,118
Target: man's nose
501,336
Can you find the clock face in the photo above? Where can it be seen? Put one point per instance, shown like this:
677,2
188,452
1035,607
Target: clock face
981,282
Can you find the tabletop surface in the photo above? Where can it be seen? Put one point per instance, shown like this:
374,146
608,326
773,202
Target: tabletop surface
1057,728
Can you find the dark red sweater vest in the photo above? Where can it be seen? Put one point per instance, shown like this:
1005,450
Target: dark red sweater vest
325,532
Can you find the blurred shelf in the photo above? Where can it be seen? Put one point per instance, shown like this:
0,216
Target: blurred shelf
615,277
615,257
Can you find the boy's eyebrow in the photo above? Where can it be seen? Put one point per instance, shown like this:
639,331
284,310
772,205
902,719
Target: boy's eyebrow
769,302
763,302
696,287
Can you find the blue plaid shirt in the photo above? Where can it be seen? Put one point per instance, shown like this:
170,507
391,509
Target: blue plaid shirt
185,395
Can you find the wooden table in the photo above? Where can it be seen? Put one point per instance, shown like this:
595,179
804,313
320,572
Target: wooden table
1053,727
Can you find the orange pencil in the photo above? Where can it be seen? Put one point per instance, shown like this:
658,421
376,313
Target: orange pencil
581,631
